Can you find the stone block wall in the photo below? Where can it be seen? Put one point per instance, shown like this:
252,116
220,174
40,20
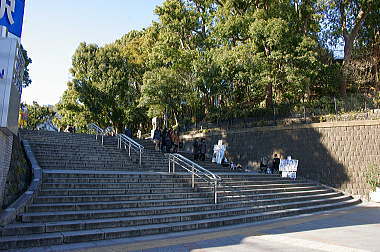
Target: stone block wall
336,154
6,140
19,174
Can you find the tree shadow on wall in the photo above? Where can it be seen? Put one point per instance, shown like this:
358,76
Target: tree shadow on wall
316,161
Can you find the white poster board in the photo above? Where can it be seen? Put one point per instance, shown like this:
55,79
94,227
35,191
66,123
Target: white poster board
218,154
288,168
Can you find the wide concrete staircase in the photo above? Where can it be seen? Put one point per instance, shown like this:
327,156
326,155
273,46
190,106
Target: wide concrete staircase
92,192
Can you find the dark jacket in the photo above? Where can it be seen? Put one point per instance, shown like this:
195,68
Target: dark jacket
157,134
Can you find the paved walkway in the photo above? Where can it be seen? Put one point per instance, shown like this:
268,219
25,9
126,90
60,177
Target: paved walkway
350,229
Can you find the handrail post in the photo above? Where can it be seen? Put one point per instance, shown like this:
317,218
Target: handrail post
215,192
192,176
102,140
129,149
140,157
169,165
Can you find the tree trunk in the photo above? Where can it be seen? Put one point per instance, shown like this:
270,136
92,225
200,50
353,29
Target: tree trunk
348,43
269,96
376,59
349,38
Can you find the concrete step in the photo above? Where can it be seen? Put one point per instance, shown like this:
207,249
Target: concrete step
44,239
106,174
157,185
157,215
119,197
109,180
106,191
55,207
244,197
78,206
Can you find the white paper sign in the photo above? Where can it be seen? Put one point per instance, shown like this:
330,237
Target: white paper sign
287,165
218,155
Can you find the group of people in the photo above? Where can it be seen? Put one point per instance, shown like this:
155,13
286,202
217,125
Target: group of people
270,166
166,140
199,149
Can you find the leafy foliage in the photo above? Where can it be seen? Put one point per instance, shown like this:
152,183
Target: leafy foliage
219,59
36,115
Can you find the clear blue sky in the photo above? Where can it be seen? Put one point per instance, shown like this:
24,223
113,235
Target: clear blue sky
53,30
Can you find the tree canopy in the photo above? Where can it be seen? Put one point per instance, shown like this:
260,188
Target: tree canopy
215,59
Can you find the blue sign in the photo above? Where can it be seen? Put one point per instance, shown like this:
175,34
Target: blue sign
12,15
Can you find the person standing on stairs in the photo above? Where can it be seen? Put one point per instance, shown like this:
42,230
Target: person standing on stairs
169,140
202,150
196,149
276,164
157,138
128,132
175,140
164,137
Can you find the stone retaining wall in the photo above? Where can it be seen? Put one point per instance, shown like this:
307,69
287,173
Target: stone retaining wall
19,174
6,140
336,153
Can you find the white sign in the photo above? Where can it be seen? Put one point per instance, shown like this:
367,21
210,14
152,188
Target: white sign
11,73
218,154
289,167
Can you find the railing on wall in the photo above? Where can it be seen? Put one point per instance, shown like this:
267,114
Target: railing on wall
196,171
98,131
131,144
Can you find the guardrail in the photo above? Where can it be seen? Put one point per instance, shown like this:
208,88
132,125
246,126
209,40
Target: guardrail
97,130
196,171
131,144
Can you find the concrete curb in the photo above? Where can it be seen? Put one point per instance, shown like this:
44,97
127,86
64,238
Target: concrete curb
19,206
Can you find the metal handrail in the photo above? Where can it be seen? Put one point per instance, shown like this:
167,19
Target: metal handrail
98,130
132,145
196,171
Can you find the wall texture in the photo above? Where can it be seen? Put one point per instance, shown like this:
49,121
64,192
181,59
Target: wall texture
6,140
19,174
335,154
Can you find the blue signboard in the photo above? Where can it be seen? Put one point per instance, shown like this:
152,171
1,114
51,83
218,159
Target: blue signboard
12,15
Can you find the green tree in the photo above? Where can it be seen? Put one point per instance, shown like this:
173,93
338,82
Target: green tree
71,111
37,114
26,78
102,80
343,21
